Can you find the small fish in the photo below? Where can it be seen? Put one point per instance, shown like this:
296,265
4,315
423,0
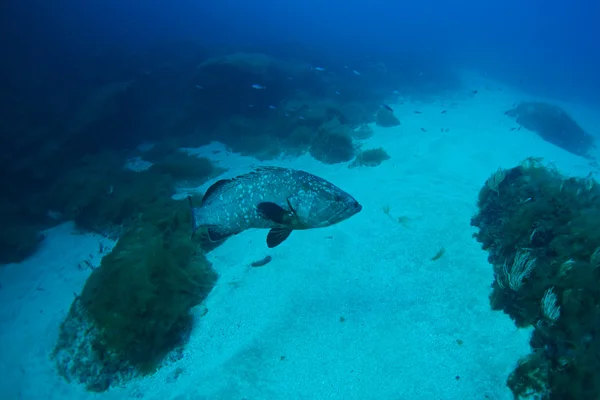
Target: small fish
395,92
273,107
513,129
259,87
475,92
417,112
387,107
320,69
337,92
250,105
301,117
423,129
199,87
444,112
286,114
262,262
279,199
355,72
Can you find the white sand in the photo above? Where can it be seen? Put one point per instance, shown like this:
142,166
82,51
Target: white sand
275,332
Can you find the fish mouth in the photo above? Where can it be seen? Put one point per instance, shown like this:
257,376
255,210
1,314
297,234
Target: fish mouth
355,208
344,213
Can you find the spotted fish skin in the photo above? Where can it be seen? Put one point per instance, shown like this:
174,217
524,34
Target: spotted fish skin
279,199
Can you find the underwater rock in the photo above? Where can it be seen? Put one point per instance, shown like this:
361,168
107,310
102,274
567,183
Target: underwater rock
252,137
102,196
298,140
333,143
18,241
332,148
253,63
553,125
386,118
135,309
363,132
542,232
369,158
77,358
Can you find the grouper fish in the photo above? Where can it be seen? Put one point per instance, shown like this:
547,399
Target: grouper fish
280,199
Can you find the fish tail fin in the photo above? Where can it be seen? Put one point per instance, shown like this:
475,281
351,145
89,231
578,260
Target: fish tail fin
195,222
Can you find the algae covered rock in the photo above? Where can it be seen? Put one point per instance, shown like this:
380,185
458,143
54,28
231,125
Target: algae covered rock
332,148
542,232
553,125
135,309
103,196
370,158
333,143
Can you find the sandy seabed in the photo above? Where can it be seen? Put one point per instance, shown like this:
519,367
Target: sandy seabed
354,311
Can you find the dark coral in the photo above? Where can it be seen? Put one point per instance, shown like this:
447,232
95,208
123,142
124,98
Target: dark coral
553,125
101,195
144,289
332,148
19,238
135,309
333,143
370,158
533,211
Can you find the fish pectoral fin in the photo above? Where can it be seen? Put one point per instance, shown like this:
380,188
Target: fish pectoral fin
276,236
217,233
274,212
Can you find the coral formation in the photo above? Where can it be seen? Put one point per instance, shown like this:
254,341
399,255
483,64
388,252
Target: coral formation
136,307
553,125
332,148
369,158
363,132
541,230
333,143
102,196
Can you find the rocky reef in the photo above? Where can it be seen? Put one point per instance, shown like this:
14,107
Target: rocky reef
135,310
541,230
553,125
369,158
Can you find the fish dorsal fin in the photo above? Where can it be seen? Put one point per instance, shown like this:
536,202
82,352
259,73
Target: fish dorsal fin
270,168
213,191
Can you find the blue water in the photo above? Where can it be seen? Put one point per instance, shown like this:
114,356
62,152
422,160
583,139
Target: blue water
547,47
